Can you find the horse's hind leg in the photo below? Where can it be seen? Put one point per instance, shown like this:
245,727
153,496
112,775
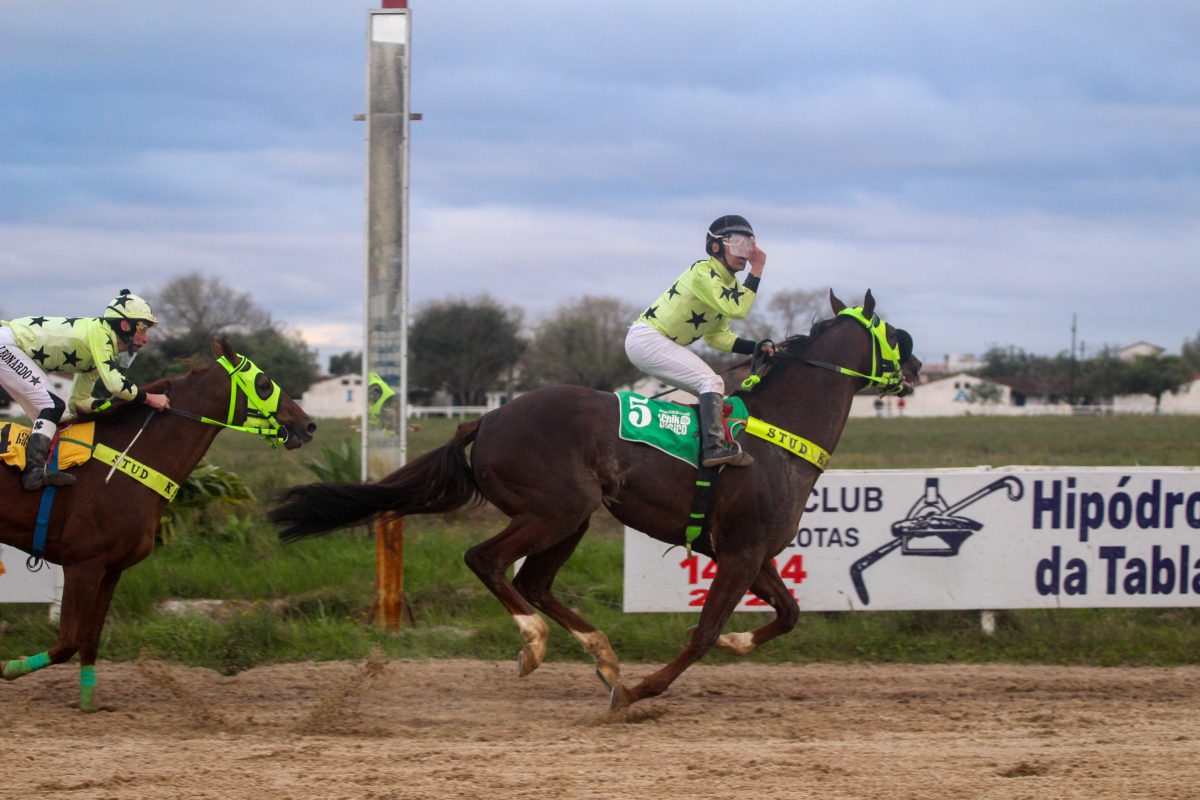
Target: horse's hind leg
535,580
769,587
526,534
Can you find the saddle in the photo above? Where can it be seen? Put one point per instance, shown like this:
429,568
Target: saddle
675,430
74,444
672,428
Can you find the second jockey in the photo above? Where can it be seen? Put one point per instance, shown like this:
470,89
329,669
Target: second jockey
94,349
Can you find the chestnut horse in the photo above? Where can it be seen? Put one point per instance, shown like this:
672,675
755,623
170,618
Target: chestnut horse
550,458
98,528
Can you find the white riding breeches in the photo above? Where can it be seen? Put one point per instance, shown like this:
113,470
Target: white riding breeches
671,363
22,378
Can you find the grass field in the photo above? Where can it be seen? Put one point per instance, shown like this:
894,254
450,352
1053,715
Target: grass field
309,600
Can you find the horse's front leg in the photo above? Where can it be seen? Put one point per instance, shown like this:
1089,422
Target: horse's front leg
81,582
734,575
535,580
770,588
89,641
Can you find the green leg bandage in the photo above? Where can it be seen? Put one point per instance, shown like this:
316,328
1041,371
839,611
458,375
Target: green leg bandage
87,688
23,666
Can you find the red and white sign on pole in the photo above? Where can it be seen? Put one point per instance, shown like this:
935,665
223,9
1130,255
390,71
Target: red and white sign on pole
1018,537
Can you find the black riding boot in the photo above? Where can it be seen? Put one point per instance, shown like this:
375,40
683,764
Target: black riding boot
713,450
35,476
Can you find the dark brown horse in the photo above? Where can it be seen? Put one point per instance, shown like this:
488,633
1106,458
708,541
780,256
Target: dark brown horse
551,457
98,528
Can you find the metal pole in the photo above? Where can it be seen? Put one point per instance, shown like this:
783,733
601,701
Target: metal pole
385,352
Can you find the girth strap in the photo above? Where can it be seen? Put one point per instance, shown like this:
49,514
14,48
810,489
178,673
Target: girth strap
702,503
34,562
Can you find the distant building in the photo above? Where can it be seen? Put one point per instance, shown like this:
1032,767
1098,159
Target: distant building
1138,349
1050,390
951,364
954,395
1185,401
334,396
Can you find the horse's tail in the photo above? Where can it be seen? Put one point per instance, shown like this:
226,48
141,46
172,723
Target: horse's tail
438,481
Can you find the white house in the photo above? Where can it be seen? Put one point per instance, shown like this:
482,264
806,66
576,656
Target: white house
335,396
1138,349
951,364
954,395
342,396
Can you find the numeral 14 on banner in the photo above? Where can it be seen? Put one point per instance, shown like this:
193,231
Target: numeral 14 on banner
703,570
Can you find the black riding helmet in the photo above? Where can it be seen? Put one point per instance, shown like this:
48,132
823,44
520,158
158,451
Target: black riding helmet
728,225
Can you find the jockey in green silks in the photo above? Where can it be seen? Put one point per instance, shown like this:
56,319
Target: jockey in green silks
93,348
699,305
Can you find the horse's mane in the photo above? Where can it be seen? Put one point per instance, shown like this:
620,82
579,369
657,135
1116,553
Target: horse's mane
794,347
122,409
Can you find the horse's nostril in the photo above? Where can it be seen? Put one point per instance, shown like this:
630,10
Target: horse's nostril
311,429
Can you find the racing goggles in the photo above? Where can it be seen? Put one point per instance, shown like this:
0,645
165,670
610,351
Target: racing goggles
739,245
141,326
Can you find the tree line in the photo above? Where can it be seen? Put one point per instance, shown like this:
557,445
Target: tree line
468,347
1094,380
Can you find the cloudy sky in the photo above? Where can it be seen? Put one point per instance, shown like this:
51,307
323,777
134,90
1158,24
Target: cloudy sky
988,169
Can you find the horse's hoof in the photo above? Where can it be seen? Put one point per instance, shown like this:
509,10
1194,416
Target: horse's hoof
609,675
619,698
14,669
737,643
525,663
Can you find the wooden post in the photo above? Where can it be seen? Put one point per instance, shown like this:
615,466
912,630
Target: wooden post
390,610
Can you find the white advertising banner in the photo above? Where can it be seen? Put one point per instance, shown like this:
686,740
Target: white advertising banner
19,585
1016,537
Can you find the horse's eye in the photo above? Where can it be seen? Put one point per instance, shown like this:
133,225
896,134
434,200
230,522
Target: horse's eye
264,386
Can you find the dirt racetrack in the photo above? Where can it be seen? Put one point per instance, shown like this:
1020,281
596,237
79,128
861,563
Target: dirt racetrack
472,729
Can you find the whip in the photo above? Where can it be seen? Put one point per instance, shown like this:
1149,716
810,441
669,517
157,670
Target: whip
129,447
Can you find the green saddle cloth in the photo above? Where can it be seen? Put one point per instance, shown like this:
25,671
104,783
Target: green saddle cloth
670,427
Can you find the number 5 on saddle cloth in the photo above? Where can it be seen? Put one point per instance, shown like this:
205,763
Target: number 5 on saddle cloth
675,430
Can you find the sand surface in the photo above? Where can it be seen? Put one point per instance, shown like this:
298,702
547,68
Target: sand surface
472,729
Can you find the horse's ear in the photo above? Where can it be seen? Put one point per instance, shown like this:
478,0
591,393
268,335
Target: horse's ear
869,305
221,347
837,304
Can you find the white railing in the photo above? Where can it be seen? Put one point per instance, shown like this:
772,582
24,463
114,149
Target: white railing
420,412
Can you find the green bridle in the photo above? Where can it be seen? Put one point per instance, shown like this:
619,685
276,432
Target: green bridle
886,360
261,412
886,372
